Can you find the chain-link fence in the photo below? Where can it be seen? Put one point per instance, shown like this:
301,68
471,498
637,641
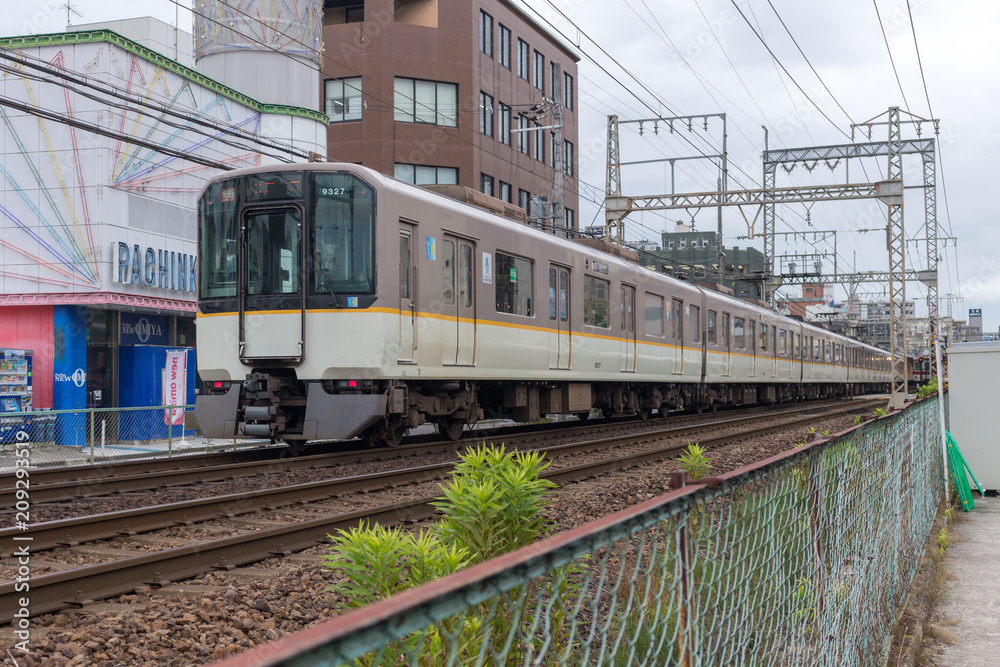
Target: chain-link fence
800,560
77,437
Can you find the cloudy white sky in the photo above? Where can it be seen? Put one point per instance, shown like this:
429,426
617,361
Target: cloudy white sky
701,56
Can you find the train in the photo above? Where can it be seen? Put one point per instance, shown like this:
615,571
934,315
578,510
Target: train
336,302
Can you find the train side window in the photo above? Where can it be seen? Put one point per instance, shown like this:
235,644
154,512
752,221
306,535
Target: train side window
711,327
826,357
552,294
796,339
404,265
596,302
695,324
448,272
763,338
815,349
654,315
739,338
465,275
514,284
676,312
782,343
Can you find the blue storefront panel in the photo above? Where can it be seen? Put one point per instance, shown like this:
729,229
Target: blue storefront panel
140,381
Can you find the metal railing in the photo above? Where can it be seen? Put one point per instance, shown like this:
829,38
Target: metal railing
801,560
93,435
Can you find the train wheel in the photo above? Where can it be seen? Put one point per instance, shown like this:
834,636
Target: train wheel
393,436
607,412
644,413
583,416
451,429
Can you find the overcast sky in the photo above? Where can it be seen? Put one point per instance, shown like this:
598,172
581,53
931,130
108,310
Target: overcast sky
701,56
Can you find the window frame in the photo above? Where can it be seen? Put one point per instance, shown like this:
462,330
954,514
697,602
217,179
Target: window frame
486,114
645,309
590,284
411,102
523,59
712,327
538,66
503,124
504,39
567,91
344,99
484,181
485,35
501,279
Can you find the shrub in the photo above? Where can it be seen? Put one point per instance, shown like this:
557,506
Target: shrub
694,461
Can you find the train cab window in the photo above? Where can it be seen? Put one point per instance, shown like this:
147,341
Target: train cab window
217,239
448,273
739,338
782,347
711,327
343,234
695,324
514,285
763,338
273,252
596,302
654,315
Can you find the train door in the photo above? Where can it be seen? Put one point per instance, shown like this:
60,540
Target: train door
458,332
677,334
559,300
628,356
727,351
271,269
407,287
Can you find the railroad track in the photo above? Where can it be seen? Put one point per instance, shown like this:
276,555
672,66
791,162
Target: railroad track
67,484
79,586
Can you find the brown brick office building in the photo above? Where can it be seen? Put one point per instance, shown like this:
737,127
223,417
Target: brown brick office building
428,91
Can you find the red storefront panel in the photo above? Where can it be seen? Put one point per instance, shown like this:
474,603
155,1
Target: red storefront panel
30,328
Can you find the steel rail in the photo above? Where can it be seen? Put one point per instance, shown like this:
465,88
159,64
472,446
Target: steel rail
92,486
83,585
78,530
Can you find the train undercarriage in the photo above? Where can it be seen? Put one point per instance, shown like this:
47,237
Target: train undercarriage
277,406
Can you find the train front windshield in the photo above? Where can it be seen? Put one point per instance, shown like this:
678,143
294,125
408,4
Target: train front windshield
250,237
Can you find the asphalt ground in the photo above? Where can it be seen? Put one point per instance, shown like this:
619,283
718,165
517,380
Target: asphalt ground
970,609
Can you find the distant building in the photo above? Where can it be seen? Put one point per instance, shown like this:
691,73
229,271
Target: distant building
695,256
432,92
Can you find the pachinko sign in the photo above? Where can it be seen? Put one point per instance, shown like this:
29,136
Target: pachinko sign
174,386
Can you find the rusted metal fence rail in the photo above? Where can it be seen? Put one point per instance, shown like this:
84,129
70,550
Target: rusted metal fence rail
803,559
78,437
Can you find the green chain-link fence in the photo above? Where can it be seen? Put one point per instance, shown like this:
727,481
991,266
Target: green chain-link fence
804,559
77,437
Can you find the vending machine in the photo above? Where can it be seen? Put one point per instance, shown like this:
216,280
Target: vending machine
15,394
15,380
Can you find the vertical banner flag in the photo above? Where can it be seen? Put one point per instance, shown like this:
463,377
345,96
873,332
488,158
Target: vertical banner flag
175,386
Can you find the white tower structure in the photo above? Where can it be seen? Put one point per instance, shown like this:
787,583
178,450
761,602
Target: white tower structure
269,50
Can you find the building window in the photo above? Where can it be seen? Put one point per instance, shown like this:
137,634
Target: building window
539,145
336,12
343,99
505,192
596,302
522,59
568,157
539,71
486,184
486,114
523,199
513,285
504,46
567,91
553,80
504,125
523,136
570,218
432,102
422,174
486,33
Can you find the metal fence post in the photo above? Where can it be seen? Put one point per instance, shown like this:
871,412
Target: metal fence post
92,417
685,593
